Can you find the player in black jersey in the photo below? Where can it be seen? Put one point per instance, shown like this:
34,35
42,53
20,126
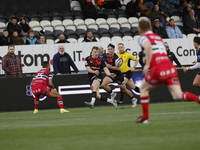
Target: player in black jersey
94,65
117,77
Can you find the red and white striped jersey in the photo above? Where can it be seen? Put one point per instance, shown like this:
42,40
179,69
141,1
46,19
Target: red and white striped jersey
159,54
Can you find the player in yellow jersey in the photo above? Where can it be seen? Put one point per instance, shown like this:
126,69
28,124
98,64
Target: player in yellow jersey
126,70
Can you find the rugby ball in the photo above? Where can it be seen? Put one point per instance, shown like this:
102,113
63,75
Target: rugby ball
118,62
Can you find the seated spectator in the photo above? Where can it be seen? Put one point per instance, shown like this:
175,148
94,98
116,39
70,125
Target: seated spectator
157,13
173,30
197,10
88,9
13,26
133,9
42,40
62,62
17,40
25,27
176,3
186,11
109,4
159,30
31,39
191,23
62,39
149,4
5,39
89,37
143,8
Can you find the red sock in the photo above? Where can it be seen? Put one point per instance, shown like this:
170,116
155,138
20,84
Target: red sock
60,102
145,106
36,102
190,97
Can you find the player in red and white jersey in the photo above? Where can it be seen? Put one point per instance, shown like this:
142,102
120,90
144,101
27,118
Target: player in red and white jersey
158,69
42,85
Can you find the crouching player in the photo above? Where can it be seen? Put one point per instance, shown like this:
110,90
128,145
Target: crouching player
39,86
157,69
94,65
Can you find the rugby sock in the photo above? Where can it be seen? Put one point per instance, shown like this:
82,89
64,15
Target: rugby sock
121,96
60,102
190,97
145,106
110,91
93,99
36,102
137,89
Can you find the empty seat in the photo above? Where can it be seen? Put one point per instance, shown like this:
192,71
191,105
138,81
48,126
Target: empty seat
56,23
126,31
2,18
126,2
50,28
56,33
67,22
34,24
127,38
49,35
9,15
110,13
184,36
105,39
120,13
122,20
112,21
77,14
143,18
33,16
80,40
37,28
67,15
176,18
79,22
134,30
116,38
115,32
136,37
62,28
104,32
71,33
50,41
74,4
45,23
71,40
55,15
81,32
191,35
100,21
45,16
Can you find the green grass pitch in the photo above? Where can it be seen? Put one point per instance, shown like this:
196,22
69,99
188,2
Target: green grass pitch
173,126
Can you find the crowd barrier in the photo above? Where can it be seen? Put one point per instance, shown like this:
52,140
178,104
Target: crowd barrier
16,93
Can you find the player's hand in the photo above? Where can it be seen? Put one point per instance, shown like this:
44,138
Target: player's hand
132,69
112,75
96,72
145,69
78,73
185,69
58,73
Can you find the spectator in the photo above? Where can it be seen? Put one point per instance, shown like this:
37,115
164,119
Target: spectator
197,10
143,8
159,30
173,30
62,39
191,23
31,40
157,13
149,4
13,26
62,62
133,9
88,9
25,28
17,40
186,10
5,39
42,40
172,56
176,3
89,37
164,4
11,63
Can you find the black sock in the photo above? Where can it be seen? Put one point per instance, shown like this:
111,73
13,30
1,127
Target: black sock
121,96
103,98
110,91
132,97
94,94
137,89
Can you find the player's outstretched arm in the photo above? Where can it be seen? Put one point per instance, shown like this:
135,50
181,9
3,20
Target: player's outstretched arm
112,67
91,71
106,71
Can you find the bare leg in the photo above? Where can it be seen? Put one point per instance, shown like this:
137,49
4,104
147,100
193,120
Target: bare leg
196,81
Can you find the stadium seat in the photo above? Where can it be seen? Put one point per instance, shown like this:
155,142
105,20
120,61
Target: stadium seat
71,40
55,15
90,21
126,31
49,35
120,13
80,32
133,20
110,13
191,35
2,18
94,32
79,22
70,27
74,4
105,39
100,21
45,23
56,33
37,28
136,37
67,15
55,23
127,38
67,22
71,33
10,15
62,28
50,28
112,21
98,40
45,16
134,30
50,41
80,40
122,20
126,2
78,14
33,16
56,40
116,38
179,24
143,18
115,32
181,28
34,24
104,32
184,36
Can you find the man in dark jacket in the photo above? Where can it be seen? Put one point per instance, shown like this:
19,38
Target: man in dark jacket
159,30
88,9
89,37
13,26
62,62
5,39
172,56
132,9
62,39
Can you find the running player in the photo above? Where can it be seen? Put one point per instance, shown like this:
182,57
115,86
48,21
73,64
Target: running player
39,87
126,70
94,65
118,78
158,69
196,81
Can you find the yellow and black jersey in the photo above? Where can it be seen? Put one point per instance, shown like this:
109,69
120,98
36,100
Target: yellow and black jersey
126,56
